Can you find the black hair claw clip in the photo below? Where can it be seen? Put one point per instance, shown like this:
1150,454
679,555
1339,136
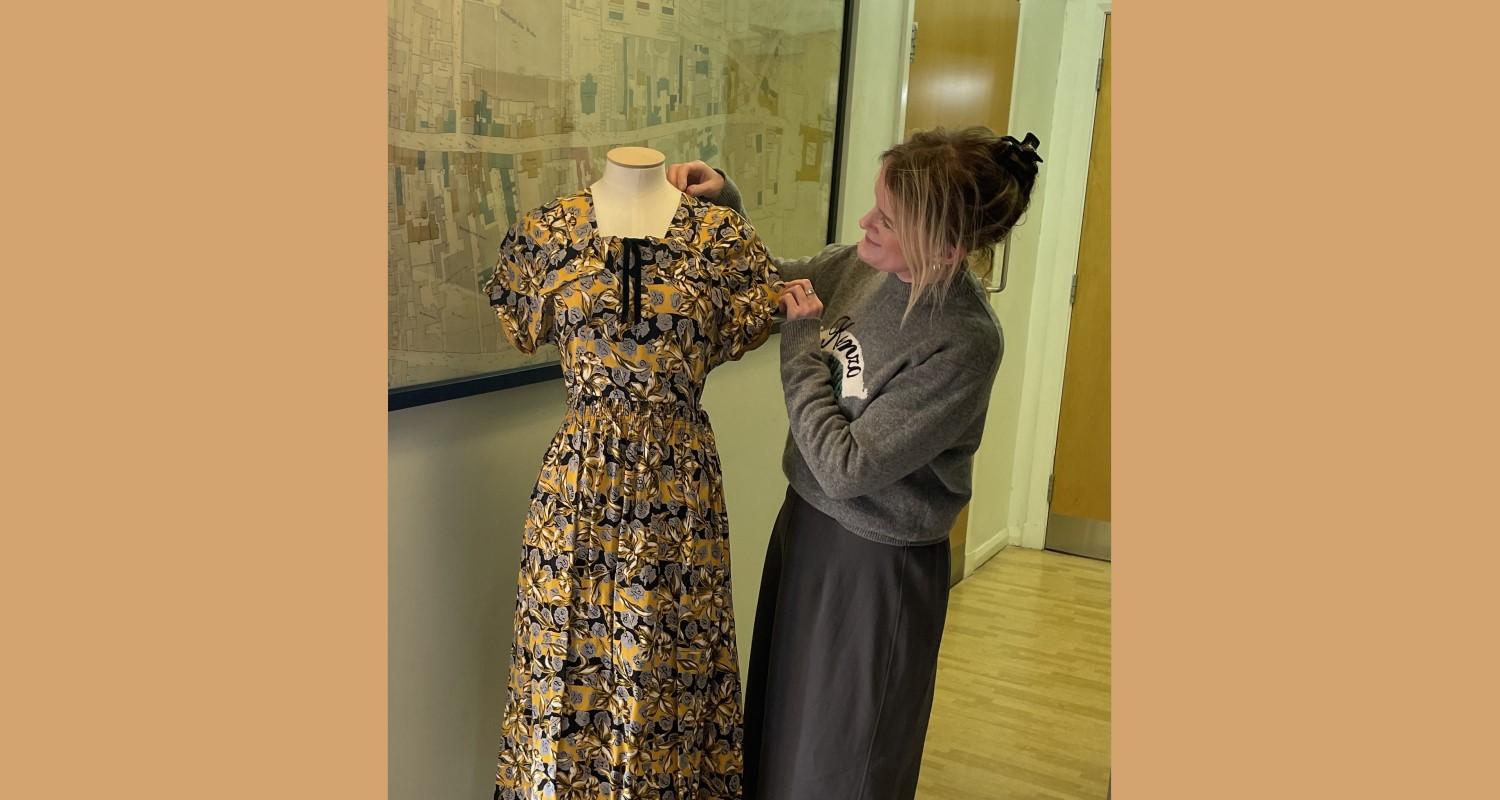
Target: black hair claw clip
1027,146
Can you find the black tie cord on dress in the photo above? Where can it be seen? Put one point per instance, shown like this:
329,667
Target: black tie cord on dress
630,279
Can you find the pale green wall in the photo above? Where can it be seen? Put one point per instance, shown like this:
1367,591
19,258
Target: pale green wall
874,113
461,473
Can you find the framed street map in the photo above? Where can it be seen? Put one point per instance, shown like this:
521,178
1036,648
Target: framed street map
498,106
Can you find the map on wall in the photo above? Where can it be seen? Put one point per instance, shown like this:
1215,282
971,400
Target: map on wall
498,106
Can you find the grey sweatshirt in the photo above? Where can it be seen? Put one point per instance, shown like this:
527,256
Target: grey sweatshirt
884,417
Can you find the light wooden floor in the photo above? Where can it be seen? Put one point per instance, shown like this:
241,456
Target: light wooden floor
1022,707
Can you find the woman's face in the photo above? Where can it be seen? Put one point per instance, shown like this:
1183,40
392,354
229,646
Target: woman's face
880,247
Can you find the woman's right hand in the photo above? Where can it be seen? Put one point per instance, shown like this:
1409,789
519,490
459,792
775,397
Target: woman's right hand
696,178
799,301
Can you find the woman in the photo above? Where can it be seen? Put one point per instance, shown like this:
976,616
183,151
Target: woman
888,355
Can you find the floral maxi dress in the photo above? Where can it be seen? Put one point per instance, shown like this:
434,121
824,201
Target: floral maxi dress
624,677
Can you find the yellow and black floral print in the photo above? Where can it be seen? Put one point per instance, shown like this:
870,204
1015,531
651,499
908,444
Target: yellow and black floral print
624,678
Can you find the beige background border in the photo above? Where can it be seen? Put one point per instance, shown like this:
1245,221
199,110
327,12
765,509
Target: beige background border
1304,436
193,576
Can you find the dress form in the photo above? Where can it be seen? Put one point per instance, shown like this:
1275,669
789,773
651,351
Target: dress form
634,198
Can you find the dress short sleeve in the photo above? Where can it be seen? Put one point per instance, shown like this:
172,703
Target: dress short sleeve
515,289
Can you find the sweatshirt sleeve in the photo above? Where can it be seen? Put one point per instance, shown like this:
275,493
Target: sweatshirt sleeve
729,196
789,268
919,414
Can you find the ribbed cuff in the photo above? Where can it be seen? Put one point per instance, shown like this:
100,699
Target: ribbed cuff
799,335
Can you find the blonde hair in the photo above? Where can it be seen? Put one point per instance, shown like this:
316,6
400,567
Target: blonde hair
955,192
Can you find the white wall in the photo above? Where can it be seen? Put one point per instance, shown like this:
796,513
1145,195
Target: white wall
997,516
1057,52
1078,39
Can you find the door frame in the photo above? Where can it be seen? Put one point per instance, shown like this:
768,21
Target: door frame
1058,234
899,135
1058,226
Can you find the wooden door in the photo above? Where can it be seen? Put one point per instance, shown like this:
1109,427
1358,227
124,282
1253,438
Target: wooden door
1081,473
962,72
964,64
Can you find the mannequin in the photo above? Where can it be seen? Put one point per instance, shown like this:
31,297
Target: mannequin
641,304
634,198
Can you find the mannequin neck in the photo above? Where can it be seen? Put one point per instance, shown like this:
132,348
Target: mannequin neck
634,201
623,181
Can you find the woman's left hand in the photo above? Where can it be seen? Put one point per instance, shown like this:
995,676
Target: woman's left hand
800,301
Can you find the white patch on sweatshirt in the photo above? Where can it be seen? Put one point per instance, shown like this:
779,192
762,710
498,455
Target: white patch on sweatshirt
846,359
